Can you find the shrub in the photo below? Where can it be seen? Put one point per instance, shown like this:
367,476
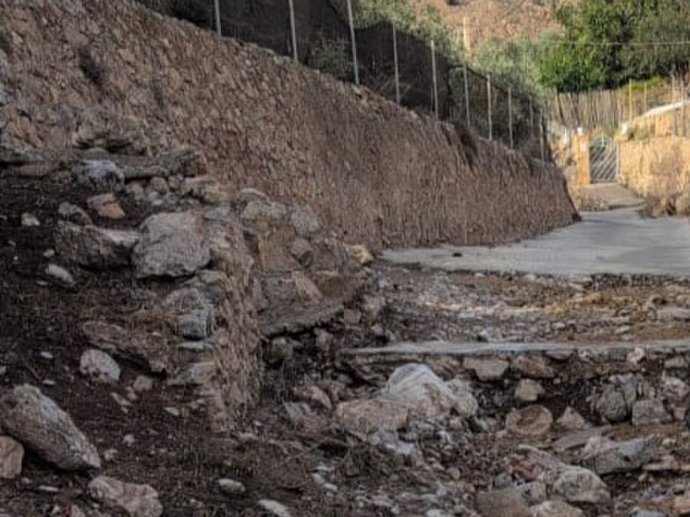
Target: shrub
331,56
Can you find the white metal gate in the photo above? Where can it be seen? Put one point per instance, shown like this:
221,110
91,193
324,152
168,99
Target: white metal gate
603,160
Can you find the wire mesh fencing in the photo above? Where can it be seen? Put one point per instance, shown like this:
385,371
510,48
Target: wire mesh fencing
328,35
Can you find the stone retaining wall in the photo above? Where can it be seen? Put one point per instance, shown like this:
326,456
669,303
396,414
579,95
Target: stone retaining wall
379,174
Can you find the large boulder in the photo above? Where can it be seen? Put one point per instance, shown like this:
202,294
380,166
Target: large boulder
136,500
605,456
372,415
577,485
419,389
91,246
36,420
172,245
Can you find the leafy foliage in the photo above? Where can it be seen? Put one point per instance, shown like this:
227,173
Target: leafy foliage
609,42
331,56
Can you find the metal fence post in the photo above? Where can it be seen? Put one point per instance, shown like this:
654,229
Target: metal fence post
435,79
488,109
541,136
397,68
510,116
467,95
293,30
353,40
216,10
531,113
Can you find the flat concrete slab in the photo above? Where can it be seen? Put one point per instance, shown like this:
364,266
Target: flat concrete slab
615,242
466,349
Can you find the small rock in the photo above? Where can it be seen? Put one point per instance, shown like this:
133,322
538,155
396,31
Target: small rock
159,185
528,390
195,374
142,383
556,509
316,395
324,341
274,508
673,314
106,206
533,493
638,512
304,221
579,438
136,190
302,251
136,500
612,404
534,367
92,246
37,421
173,411
11,457
580,485
279,350
571,420
196,324
99,366
502,503
352,317
674,389
360,254
650,412
101,175
373,306
486,369
60,274
681,505
604,456
74,214
529,421
231,487
30,220
371,415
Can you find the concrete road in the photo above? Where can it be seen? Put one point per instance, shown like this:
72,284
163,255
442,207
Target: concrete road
615,242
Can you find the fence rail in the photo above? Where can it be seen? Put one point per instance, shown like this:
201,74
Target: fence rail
398,65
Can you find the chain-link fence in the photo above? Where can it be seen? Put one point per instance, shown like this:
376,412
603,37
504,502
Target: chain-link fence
327,35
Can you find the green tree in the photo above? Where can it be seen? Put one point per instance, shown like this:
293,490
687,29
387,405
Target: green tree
607,42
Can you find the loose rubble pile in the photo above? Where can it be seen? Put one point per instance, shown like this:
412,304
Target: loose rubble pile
173,348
